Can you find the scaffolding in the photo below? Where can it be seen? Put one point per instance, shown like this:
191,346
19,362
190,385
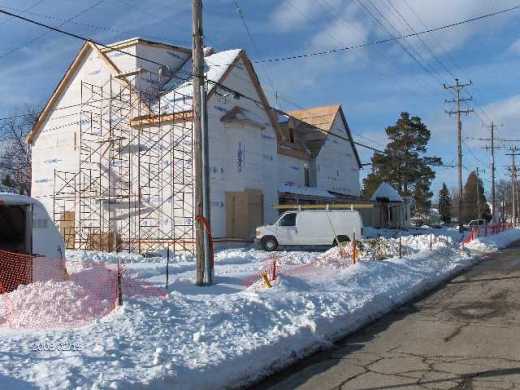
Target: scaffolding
134,190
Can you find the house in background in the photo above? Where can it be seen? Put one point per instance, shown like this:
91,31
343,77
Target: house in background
318,158
112,149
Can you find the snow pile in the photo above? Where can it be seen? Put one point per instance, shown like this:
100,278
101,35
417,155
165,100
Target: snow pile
229,334
50,305
494,242
89,295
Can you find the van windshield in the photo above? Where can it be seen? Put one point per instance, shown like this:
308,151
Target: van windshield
288,220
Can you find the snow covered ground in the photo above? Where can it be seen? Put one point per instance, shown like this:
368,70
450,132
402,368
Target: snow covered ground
224,335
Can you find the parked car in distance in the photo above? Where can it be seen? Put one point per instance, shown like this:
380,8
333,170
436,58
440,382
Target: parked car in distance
476,222
310,228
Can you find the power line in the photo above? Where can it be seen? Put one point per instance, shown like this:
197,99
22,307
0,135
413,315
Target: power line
37,38
90,26
401,44
255,46
388,40
450,59
77,36
423,42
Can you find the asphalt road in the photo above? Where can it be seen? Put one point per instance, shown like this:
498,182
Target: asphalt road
465,335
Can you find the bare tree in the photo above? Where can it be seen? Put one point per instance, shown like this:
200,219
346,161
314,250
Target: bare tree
15,153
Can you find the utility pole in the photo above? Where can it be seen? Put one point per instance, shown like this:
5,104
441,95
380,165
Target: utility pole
493,148
478,195
458,87
513,154
204,271
493,192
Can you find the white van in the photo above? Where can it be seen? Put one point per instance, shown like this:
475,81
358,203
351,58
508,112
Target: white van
310,227
25,227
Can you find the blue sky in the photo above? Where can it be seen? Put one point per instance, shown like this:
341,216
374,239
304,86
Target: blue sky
374,84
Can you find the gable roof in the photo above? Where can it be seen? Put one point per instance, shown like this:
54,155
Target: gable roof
386,191
179,90
320,117
137,40
321,120
176,101
75,66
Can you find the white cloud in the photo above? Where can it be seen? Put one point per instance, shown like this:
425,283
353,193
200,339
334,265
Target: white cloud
515,47
291,15
341,32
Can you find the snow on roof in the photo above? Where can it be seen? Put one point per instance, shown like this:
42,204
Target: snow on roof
309,191
178,90
385,190
282,117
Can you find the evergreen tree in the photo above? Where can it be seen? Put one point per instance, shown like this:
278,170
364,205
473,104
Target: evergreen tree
404,164
445,204
473,197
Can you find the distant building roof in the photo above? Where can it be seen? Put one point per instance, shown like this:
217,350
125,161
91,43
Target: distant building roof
386,191
313,125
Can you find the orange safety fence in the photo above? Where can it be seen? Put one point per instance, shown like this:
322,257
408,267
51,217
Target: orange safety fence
15,269
486,230
43,293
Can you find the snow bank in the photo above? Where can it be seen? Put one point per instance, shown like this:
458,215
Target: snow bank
230,334
495,242
88,295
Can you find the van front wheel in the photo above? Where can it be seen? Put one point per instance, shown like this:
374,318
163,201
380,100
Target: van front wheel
269,243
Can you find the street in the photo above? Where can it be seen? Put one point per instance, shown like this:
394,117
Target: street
465,335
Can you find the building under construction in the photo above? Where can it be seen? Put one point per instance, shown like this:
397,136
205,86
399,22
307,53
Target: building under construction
112,149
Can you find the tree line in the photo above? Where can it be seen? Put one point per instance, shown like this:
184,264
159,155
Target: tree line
15,153
474,201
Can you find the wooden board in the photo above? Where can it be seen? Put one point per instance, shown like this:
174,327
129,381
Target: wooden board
244,213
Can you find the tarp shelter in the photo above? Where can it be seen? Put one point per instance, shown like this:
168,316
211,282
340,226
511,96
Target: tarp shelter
391,210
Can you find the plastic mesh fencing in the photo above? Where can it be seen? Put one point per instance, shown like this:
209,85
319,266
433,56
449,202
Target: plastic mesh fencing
15,269
342,256
43,293
486,230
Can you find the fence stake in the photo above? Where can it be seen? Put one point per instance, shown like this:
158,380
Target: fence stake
354,254
400,246
431,241
274,270
167,266
265,278
119,285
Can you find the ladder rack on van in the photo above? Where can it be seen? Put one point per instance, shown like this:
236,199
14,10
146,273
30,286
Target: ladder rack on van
334,206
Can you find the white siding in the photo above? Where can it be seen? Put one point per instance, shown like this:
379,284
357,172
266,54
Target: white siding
57,145
336,166
241,157
292,170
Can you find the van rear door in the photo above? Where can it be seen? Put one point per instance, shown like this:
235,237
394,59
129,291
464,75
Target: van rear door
15,228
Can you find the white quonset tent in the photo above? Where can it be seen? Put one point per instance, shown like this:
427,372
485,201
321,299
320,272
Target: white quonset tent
386,192
390,208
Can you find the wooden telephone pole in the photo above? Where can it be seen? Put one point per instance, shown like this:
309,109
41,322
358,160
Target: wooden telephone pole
458,87
513,154
493,191
204,272
478,195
